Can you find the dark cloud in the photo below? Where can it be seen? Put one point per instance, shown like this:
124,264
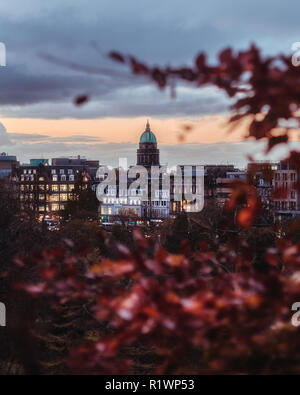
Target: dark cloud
30,137
171,31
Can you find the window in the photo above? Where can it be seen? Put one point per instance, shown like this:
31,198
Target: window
55,188
293,195
293,176
54,198
54,178
41,179
71,187
64,188
61,171
55,207
63,178
63,197
71,178
70,171
53,171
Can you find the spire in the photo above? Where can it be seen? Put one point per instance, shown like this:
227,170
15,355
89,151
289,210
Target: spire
148,126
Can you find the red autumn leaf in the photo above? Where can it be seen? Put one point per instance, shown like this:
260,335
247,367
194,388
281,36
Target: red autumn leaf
116,56
80,100
245,217
275,140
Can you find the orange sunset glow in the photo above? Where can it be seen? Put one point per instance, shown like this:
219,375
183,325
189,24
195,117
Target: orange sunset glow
118,130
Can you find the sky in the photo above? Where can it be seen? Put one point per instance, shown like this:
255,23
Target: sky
37,114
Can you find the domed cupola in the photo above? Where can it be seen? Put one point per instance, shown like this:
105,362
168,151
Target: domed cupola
148,136
148,154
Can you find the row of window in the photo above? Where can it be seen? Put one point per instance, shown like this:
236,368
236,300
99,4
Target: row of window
116,201
61,171
51,207
118,211
63,197
54,188
285,186
285,205
47,208
55,178
111,191
53,171
285,176
121,201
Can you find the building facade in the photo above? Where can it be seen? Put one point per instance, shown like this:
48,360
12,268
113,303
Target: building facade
163,193
46,189
145,202
7,164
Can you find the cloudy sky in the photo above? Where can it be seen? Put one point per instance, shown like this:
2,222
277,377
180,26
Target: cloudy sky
37,115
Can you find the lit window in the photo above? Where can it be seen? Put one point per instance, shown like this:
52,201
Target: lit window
55,188
54,178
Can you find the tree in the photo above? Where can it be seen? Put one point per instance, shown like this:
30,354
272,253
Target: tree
202,310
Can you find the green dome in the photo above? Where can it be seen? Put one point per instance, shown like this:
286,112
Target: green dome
148,136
